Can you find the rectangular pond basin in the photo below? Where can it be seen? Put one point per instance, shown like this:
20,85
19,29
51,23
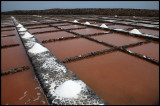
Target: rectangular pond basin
42,29
150,50
56,24
116,26
7,28
10,56
71,26
22,87
100,23
75,47
88,31
9,40
8,32
52,35
119,78
118,39
147,25
125,22
149,31
34,26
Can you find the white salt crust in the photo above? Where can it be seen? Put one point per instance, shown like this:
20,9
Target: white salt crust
52,65
37,48
68,89
19,25
27,35
22,29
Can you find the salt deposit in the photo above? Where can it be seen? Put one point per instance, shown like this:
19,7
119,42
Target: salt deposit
22,29
135,31
37,48
69,89
75,21
19,25
87,23
27,35
103,26
51,64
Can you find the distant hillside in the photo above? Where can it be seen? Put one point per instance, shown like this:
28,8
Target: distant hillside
87,11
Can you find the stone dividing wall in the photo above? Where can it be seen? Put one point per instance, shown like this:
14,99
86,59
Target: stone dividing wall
54,76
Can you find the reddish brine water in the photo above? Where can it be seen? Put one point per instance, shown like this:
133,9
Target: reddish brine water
3,33
71,26
9,40
20,88
120,78
150,50
7,28
34,26
149,31
75,47
118,39
42,29
52,35
60,24
116,26
89,31
117,77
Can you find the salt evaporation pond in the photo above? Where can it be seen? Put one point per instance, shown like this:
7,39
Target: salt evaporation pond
117,77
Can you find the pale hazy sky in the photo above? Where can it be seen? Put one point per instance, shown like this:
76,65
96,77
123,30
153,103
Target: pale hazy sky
40,5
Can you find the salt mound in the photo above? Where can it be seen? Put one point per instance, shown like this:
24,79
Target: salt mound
104,26
69,89
22,29
19,25
135,31
37,48
87,23
75,21
27,35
